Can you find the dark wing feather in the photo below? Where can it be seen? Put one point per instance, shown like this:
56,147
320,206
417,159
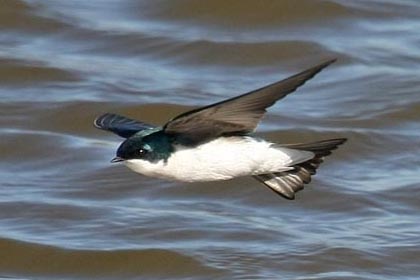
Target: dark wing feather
238,115
120,125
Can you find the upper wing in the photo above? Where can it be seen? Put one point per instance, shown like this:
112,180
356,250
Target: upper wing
238,115
120,125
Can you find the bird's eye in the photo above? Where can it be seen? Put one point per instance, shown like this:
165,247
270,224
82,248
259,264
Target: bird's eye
142,151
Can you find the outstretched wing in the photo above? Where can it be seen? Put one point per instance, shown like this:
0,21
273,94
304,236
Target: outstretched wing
238,115
120,125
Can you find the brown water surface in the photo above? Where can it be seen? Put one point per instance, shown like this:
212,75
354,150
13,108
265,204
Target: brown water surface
67,213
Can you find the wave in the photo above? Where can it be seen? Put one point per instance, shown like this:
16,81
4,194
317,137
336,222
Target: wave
48,261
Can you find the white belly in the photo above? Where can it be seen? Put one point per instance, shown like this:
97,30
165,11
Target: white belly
221,159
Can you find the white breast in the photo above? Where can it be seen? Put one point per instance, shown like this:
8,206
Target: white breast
221,159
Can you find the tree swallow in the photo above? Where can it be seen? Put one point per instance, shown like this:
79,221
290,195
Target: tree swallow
215,142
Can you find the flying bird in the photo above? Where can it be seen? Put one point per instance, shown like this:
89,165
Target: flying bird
216,142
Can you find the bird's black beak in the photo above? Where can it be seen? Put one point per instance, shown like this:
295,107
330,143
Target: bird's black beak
116,159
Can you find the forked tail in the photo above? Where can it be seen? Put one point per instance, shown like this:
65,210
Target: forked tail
287,183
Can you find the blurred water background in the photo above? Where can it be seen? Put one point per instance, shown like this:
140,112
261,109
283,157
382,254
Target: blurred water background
67,213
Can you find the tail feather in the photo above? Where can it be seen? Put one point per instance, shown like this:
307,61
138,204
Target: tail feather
287,183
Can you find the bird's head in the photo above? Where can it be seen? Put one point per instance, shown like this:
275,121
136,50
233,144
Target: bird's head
151,147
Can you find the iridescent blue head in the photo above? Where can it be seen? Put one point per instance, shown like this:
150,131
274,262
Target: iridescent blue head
151,145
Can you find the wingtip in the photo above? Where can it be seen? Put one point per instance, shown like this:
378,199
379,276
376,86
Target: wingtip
97,122
326,63
331,60
304,76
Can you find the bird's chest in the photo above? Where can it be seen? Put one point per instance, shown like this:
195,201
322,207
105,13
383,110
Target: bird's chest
189,166
217,160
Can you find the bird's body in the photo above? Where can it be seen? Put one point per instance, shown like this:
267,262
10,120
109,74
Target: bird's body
216,142
221,159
